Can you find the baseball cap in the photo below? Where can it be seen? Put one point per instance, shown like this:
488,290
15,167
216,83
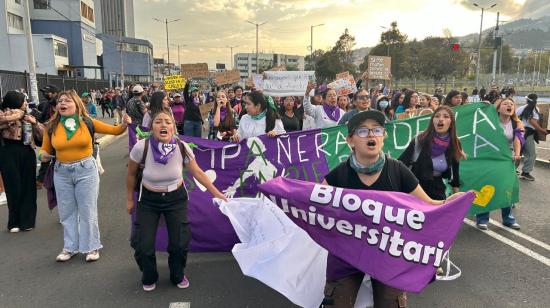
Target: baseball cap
193,89
85,94
50,89
177,95
362,116
137,89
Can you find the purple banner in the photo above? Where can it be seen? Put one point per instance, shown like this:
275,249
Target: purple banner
394,237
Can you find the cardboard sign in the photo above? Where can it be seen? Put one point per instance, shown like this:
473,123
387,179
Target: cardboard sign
286,83
197,70
174,82
205,109
258,81
227,77
379,67
413,113
343,86
280,68
544,110
342,75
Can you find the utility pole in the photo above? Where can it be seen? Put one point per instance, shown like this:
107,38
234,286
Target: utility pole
517,77
231,47
534,70
495,52
311,43
538,74
121,60
30,56
479,41
257,32
166,22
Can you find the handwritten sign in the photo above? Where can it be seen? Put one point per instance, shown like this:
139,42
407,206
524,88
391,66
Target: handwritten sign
379,67
286,83
342,75
227,77
545,112
205,109
174,82
258,81
343,86
196,70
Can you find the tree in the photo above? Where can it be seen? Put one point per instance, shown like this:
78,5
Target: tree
316,55
392,43
337,60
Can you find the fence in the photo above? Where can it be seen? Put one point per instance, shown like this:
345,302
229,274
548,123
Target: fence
19,80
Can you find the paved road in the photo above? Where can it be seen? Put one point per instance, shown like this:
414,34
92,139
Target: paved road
494,274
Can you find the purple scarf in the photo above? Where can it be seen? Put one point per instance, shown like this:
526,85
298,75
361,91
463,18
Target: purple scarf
162,151
333,112
196,101
223,113
440,144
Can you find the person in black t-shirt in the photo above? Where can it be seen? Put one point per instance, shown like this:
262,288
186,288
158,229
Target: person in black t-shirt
291,119
368,168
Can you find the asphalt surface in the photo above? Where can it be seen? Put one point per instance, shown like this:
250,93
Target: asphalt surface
494,274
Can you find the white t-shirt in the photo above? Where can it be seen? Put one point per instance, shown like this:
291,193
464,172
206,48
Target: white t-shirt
249,127
536,116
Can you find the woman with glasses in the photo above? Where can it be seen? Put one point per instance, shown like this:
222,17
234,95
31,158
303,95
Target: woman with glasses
328,113
368,168
361,100
410,103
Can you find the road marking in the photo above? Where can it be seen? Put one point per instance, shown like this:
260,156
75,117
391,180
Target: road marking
542,259
180,305
519,234
543,148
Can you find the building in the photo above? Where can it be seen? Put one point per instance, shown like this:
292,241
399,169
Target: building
75,22
50,51
116,18
246,62
137,58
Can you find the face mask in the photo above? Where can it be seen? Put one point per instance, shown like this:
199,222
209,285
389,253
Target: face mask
383,104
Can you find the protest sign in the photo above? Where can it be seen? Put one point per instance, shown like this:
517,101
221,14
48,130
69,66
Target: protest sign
205,109
544,110
394,237
342,75
379,67
174,82
344,86
196,70
258,81
237,168
280,68
227,77
414,113
284,83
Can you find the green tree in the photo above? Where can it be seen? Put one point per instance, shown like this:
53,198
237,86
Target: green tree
337,60
392,44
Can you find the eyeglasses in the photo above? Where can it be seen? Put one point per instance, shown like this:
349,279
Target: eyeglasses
364,132
362,97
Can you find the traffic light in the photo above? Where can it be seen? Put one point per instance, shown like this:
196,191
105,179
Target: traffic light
456,47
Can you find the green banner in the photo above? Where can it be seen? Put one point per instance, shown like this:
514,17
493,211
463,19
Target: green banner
488,168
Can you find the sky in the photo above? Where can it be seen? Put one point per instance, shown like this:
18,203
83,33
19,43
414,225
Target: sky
207,27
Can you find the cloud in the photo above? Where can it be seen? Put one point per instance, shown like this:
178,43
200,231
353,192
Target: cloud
512,8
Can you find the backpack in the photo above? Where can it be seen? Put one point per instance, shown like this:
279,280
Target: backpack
91,129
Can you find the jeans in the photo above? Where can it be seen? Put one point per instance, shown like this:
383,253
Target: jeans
173,205
76,189
192,128
529,154
507,217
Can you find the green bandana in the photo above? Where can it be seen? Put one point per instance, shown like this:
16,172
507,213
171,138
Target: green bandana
259,116
70,124
370,169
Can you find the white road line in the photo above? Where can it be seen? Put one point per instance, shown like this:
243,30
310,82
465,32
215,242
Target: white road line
519,234
543,148
542,259
180,305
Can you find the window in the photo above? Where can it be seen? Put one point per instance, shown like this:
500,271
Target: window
60,49
130,47
87,12
18,1
15,21
41,4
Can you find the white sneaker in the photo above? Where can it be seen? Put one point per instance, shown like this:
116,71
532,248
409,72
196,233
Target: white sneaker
3,198
64,255
92,256
14,230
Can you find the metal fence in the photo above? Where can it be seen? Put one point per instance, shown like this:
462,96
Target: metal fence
20,80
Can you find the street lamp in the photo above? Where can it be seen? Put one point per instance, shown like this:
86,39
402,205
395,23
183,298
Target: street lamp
386,28
178,45
166,21
257,31
231,47
479,41
311,42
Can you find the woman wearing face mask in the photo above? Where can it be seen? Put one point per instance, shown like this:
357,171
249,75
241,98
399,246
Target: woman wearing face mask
384,106
361,100
223,120
513,130
435,154
192,119
159,101
260,118
76,177
453,99
289,115
368,168
18,161
162,192
326,115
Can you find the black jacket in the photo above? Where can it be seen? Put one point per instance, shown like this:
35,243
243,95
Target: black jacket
192,111
423,167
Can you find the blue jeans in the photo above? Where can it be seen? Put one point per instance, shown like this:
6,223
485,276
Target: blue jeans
76,189
192,128
507,217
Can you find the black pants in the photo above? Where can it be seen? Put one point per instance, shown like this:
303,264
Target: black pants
173,206
434,188
18,168
42,171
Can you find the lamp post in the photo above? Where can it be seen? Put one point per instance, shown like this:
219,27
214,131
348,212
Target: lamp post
479,40
231,47
178,45
166,22
311,43
257,31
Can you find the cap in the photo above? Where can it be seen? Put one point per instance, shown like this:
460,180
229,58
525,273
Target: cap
50,89
193,89
85,94
137,89
380,97
362,116
532,97
177,95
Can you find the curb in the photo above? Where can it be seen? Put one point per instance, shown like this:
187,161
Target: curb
108,139
545,163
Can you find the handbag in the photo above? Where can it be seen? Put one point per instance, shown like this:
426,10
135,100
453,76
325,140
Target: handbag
49,185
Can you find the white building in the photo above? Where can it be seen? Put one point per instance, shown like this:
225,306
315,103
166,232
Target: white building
246,62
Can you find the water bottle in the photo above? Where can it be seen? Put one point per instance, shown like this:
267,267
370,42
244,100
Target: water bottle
27,133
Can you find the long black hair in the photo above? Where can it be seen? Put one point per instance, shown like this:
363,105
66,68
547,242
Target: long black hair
155,104
527,113
13,100
258,98
407,99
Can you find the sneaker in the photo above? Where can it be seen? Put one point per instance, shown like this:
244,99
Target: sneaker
92,256
64,255
149,287
14,230
184,284
3,198
527,176
482,226
514,226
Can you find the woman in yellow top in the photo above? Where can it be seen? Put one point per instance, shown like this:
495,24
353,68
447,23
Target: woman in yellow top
76,177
